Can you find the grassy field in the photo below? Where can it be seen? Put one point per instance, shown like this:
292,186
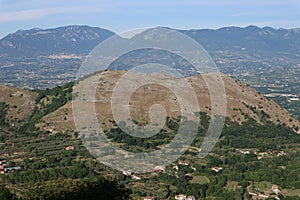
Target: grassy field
200,179
291,192
231,185
263,186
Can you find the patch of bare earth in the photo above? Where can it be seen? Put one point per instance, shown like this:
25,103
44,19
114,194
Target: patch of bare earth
21,102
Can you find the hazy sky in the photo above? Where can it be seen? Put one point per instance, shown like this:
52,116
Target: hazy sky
123,15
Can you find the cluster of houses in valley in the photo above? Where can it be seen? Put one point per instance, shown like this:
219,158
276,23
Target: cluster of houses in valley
274,192
216,169
184,197
177,197
157,169
261,155
4,169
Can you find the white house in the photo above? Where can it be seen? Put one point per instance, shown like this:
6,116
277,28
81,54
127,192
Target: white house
127,173
217,169
180,197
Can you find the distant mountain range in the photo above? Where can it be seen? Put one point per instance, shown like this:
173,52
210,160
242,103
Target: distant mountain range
259,42
44,42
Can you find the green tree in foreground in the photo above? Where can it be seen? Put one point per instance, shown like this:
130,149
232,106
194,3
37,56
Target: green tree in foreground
5,194
92,190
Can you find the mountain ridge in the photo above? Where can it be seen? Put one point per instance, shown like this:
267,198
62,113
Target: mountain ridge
243,103
15,44
36,41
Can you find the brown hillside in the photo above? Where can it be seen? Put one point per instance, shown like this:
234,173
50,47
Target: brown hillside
21,102
241,101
